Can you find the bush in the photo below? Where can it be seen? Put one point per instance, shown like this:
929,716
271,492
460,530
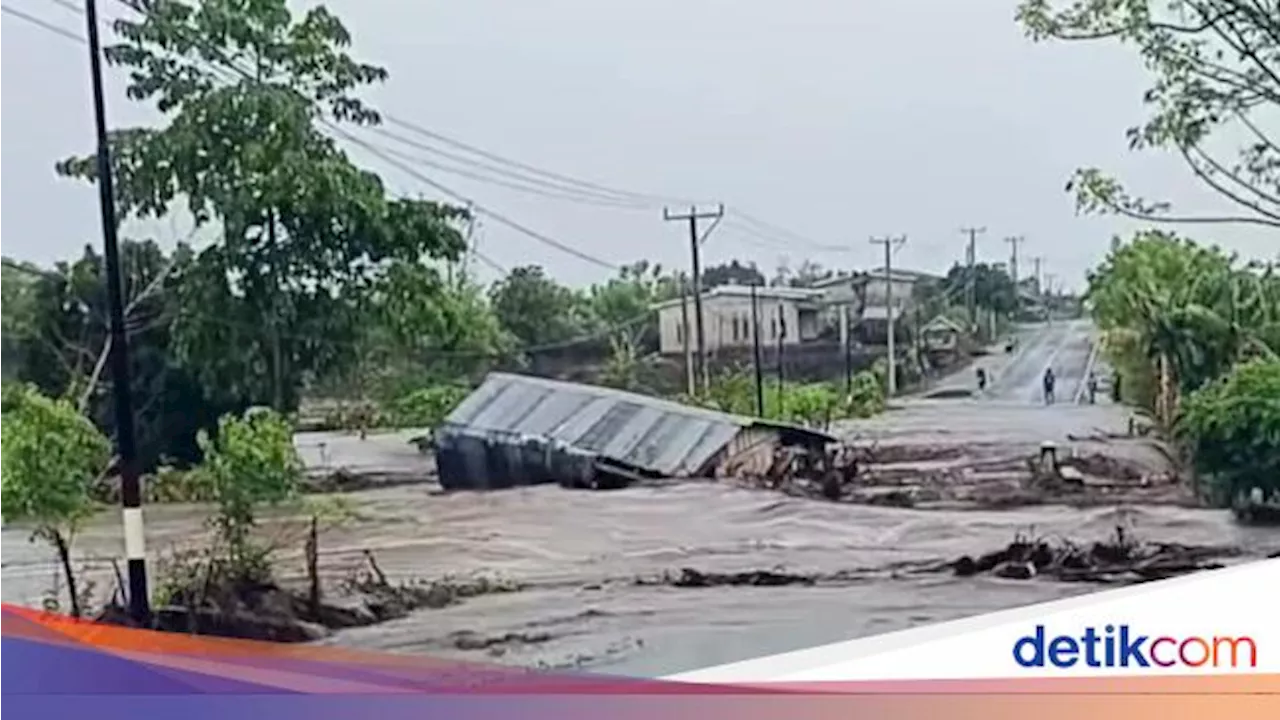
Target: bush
1232,426
51,456
252,461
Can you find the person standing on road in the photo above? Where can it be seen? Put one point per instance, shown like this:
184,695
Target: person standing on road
1093,387
1048,385
982,379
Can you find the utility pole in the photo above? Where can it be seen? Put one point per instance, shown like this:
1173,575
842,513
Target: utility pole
684,338
755,349
971,257
890,245
1014,242
692,217
1038,260
126,450
846,343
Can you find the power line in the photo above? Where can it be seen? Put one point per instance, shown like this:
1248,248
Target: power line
646,198
545,239
572,193
43,24
532,189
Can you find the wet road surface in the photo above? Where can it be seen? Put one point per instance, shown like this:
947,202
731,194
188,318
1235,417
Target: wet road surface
579,552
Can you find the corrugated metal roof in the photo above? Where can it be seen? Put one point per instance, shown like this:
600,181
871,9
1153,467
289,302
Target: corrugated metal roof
644,432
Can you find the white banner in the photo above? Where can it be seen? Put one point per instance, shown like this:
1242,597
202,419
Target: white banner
1212,622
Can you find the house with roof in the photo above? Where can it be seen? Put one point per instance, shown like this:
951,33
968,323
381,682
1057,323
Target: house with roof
785,314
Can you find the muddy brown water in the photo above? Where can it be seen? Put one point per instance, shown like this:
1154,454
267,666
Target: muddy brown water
579,552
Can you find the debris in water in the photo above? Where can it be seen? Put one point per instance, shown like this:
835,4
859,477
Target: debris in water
690,578
1119,559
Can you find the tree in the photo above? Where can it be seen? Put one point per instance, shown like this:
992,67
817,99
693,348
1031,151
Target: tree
62,343
16,300
1178,315
246,88
732,273
993,289
427,328
622,307
51,456
536,309
1217,71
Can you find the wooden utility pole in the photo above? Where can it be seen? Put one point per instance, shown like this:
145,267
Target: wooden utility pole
890,245
971,257
695,241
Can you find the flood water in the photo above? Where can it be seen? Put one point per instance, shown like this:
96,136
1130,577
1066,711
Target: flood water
579,552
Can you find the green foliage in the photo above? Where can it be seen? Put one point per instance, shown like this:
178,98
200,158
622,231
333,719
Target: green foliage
61,348
16,314
250,462
732,273
993,289
428,407
536,309
810,404
1216,68
1233,428
306,235
1166,302
51,456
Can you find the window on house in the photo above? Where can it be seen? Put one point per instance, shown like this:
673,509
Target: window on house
735,328
679,332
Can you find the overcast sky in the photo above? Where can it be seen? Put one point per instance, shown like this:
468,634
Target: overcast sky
836,119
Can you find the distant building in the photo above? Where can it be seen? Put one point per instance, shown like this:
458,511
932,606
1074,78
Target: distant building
785,313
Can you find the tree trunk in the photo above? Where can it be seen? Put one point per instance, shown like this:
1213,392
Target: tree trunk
1166,392
64,554
312,553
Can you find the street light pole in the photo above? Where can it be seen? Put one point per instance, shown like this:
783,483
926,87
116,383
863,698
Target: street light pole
126,449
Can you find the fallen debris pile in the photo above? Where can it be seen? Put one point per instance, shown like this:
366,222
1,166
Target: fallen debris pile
1118,559
691,578
252,609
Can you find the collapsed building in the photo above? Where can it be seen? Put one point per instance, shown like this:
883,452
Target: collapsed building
519,430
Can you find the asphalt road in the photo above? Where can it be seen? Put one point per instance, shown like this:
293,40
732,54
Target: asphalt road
1065,346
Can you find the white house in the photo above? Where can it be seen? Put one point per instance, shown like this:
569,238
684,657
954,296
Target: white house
871,288
786,314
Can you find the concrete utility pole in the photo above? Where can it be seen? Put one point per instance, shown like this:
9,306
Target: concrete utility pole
971,257
126,448
692,217
1038,260
890,245
690,388
1014,242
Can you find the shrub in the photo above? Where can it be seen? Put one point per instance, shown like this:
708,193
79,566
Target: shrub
1232,427
250,462
51,456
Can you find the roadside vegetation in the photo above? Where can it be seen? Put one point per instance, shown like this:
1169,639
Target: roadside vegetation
1192,332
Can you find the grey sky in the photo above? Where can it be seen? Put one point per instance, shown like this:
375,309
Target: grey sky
838,119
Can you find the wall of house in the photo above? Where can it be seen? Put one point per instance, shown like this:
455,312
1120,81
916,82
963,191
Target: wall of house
877,291
727,324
